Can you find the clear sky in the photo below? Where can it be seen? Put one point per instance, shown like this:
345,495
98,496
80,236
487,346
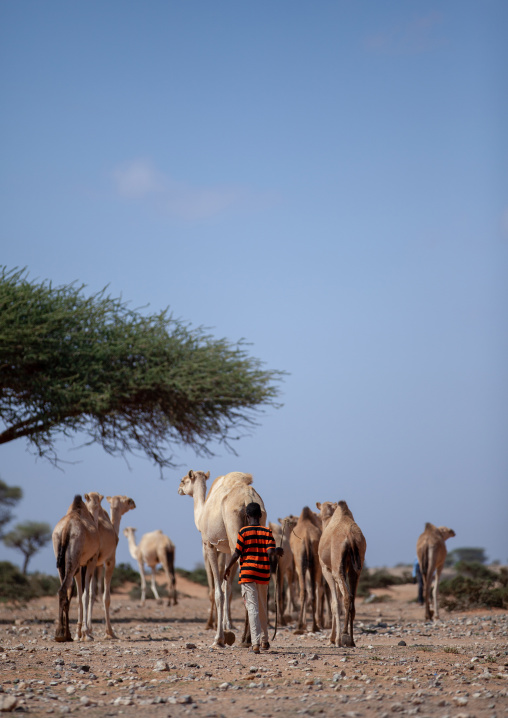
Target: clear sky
328,181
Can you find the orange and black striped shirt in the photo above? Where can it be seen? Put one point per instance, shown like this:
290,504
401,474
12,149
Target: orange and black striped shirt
252,544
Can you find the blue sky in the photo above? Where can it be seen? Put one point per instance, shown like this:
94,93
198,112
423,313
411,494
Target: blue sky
327,181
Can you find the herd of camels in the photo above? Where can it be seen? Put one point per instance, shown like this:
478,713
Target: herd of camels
324,554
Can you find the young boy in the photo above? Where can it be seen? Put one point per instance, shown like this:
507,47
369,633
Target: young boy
254,545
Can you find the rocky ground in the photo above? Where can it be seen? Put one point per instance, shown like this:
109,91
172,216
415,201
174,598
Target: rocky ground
162,664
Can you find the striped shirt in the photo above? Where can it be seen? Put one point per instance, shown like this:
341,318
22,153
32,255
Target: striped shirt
252,544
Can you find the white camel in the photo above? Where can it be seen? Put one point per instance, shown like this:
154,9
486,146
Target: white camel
218,517
153,549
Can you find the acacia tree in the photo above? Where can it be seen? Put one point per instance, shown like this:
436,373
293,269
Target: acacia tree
74,364
9,495
29,537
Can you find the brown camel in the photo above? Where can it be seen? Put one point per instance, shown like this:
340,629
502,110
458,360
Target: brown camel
431,553
218,517
76,545
153,549
286,565
341,554
304,542
109,527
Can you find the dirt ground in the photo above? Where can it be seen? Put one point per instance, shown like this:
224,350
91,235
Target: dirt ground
162,664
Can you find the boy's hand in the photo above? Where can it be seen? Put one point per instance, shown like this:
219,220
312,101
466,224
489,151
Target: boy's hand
226,574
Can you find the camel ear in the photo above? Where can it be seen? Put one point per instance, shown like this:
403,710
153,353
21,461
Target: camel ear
100,497
191,474
318,506
207,475
87,497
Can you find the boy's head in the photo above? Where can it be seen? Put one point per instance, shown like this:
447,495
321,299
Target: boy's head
253,511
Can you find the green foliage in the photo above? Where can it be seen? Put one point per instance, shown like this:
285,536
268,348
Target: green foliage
470,555
380,578
29,537
43,585
9,495
124,573
72,364
198,575
15,587
475,586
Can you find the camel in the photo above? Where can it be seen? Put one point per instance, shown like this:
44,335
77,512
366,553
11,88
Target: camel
76,544
223,559
153,549
341,555
431,553
218,517
109,527
304,541
286,568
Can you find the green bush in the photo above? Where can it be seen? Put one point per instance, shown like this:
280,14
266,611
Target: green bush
474,586
196,576
380,578
13,585
17,588
124,573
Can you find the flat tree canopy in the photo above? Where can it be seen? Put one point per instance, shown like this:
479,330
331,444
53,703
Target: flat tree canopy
75,364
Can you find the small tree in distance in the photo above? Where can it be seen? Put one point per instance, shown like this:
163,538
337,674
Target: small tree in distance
9,495
29,537
73,364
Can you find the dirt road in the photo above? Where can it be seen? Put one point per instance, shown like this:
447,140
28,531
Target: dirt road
162,664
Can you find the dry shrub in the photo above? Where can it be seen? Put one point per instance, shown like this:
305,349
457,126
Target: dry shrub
474,586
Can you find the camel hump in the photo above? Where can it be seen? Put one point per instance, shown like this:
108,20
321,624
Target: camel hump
77,503
307,514
429,527
346,511
238,477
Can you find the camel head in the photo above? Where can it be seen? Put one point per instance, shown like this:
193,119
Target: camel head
291,522
326,510
122,504
129,531
186,487
445,532
93,504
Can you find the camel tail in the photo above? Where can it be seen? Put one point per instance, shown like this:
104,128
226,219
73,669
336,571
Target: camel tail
356,559
424,567
61,553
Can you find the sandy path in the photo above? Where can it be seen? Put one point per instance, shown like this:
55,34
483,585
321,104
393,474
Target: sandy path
456,667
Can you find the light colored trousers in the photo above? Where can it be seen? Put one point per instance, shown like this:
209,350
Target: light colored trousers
255,598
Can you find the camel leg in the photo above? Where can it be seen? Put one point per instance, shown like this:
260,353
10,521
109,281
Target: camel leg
354,577
334,603
62,632
143,582
87,634
109,567
211,553
169,569
435,589
79,589
302,625
345,639
210,624
427,585
154,585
